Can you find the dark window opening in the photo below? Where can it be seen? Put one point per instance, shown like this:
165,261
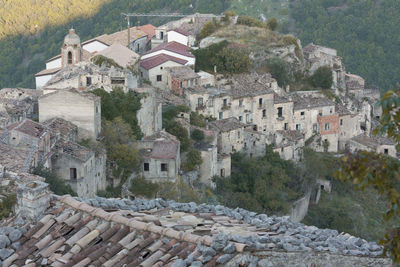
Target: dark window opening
260,101
302,113
137,47
221,115
161,35
146,167
88,81
240,102
222,172
255,127
322,187
117,81
280,112
254,143
72,173
264,113
225,102
164,167
286,126
69,57
341,121
240,118
298,127
159,78
386,151
200,101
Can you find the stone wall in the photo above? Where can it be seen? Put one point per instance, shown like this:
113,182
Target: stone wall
300,208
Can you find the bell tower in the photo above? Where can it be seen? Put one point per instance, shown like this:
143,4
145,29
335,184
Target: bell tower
71,51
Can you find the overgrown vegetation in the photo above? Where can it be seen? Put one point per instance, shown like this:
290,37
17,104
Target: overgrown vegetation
225,58
56,184
99,60
7,203
193,159
322,78
119,104
175,128
265,184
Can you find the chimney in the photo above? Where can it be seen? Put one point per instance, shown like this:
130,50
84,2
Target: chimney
33,198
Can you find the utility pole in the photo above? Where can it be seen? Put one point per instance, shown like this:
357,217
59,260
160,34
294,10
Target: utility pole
129,30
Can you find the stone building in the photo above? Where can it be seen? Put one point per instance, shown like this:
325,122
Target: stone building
318,56
88,76
380,145
289,144
249,98
152,68
79,167
160,155
349,126
355,85
173,49
17,104
149,116
179,78
80,108
230,135
283,114
17,159
255,142
60,128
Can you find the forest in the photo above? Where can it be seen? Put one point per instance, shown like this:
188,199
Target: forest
365,33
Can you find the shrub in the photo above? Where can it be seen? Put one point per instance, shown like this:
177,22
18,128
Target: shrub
280,70
272,24
322,78
197,119
208,29
197,135
193,159
141,187
57,185
249,21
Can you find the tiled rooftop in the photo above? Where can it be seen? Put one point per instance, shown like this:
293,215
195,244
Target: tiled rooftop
157,60
172,47
181,31
182,73
61,127
310,102
28,127
122,55
120,232
291,135
251,84
372,141
12,158
227,125
73,149
165,146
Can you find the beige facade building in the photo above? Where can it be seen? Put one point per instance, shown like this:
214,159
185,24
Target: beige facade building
160,157
289,144
380,145
80,108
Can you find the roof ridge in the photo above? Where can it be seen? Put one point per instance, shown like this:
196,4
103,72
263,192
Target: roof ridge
142,226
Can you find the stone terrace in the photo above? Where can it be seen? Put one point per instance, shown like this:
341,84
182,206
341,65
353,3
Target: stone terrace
121,232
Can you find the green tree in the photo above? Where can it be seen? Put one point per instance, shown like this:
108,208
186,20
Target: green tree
197,119
280,70
322,78
193,159
142,187
368,169
208,29
197,135
57,185
272,24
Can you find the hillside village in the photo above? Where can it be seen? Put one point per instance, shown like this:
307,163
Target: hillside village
51,125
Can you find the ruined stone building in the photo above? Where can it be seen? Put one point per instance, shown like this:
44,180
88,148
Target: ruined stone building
73,52
160,155
17,104
81,108
179,78
377,144
289,144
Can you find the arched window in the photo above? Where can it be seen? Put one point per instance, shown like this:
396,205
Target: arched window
69,57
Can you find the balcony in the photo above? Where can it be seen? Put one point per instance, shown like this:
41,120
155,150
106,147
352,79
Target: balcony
226,107
201,107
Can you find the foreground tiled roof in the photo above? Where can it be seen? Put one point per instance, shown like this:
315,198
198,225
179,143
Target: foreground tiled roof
157,60
155,232
172,47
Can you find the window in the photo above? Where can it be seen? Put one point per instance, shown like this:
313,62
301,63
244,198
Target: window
240,102
245,145
97,109
254,128
225,102
386,151
138,47
260,101
240,118
88,81
282,149
69,57
222,172
330,111
159,78
320,112
117,81
254,143
180,84
146,167
164,167
200,102
221,115
286,126
327,126
161,35
302,113
161,68
238,134
72,173
210,102
341,121
298,127
141,74
280,112
264,113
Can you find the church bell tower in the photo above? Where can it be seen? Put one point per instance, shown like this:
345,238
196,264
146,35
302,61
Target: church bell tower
71,51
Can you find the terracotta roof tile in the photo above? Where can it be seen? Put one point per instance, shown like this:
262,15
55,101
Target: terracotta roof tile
178,30
174,47
157,60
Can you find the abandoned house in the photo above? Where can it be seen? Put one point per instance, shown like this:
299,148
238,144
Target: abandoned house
80,108
289,144
179,78
160,157
377,144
